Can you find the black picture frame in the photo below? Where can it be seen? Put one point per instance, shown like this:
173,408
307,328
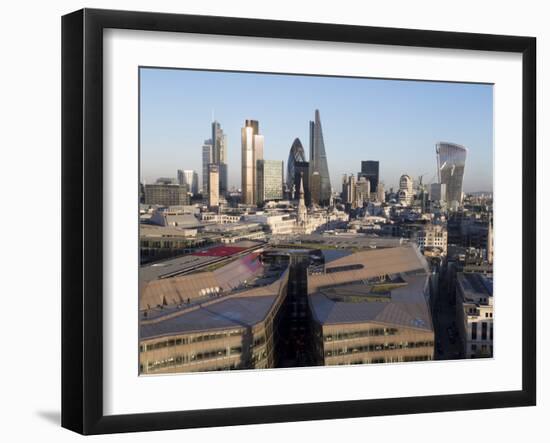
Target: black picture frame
82,190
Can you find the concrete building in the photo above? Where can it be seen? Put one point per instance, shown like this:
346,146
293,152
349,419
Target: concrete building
213,185
432,237
166,194
474,304
252,150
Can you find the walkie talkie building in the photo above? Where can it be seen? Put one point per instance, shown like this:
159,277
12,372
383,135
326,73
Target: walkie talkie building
451,159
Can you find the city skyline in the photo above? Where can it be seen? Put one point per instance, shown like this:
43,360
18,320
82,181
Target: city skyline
172,135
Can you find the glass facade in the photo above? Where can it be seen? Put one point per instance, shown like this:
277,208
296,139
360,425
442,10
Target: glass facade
296,155
370,169
451,159
318,162
270,180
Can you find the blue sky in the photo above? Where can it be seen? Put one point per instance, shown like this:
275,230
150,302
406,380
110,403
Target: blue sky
396,122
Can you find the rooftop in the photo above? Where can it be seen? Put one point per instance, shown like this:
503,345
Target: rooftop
385,286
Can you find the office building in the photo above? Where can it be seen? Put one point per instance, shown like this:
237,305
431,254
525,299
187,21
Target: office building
318,164
451,160
370,169
252,144
213,185
296,155
405,194
438,192
270,180
474,304
372,307
166,194
432,237
206,160
189,178
219,155
380,193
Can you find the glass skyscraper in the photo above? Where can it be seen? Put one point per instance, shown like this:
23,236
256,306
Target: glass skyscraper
320,186
219,154
296,155
270,180
451,159
370,169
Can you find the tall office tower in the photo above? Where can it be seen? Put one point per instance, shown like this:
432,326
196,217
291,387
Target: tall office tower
206,160
252,150
296,154
370,169
381,193
490,242
405,189
451,159
213,185
190,178
219,154
301,173
362,193
318,162
270,180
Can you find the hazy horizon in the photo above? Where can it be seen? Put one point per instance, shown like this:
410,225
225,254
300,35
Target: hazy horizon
397,122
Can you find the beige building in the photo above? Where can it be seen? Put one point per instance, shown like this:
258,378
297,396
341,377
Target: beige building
432,237
252,150
372,307
212,320
213,185
164,194
474,304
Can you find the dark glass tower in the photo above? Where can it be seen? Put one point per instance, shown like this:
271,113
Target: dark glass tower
296,155
370,169
318,164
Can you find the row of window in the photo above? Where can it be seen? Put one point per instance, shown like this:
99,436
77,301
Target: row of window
388,360
376,332
179,360
378,347
187,340
483,331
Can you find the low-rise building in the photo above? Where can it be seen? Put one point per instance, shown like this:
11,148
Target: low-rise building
474,304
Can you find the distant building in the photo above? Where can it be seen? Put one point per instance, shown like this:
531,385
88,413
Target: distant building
213,185
370,169
474,304
166,194
296,155
189,178
270,180
219,155
380,193
405,194
206,160
301,173
318,163
432,237
363,191
451,159
437,192
252,144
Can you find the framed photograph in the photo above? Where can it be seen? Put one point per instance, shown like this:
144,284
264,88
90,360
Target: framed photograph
268,221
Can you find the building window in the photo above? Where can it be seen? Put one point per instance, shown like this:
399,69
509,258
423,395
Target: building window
474,331
491,332
484,331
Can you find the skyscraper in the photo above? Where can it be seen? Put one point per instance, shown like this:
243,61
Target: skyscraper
213,185
301,173
405,189
296,154
252,150
270,180
451,159
318,163
206,160
219,154
190,178
370,169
